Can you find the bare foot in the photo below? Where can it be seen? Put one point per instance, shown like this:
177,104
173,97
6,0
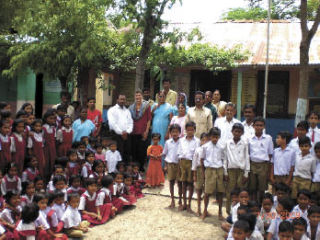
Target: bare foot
182,207
204,215
198,214
172,205
180,202
221,218
189,210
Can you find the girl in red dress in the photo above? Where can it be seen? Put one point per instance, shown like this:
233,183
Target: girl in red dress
98,171
36,146
5,141
64,136
155,176
75,185
49,135
18,144
30,173
73,166
129,190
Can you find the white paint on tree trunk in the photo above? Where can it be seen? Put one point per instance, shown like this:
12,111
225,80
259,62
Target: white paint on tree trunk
301,110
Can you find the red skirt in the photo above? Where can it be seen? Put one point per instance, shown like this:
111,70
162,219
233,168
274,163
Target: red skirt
155,174
105,212
43,235
118,204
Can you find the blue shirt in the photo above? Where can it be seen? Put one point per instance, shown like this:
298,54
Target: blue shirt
81,129
283,160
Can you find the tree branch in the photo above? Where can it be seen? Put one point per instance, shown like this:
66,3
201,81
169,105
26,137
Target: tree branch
303,17
315,25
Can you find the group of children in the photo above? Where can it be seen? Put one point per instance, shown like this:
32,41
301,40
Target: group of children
53,187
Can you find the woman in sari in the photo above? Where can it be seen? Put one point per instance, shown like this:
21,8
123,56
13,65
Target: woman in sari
181,99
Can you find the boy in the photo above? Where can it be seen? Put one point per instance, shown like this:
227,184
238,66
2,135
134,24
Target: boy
302,129
186,149
313,230
313,131
301,210
282,191
236,164
315,186
282,163
112,157
299,229
240,230
212,170
170,152
198,177
261,150
285,231
305,166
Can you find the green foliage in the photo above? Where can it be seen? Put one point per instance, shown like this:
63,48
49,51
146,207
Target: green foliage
256,13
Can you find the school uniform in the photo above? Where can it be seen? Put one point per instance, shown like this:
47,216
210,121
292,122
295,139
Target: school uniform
294,145
274,227
29,175
73,168
25,199
170,152
10,216
36,143
59,209
78,190
49,135
305,166
18,149
105,196
297,212
52,219
315,185
256,235
86,170
25,231
234,212
314,135
196,167
259,150
309,232
186,151
212,155
5,151
64,137
11,184
267,217
225,126
112,159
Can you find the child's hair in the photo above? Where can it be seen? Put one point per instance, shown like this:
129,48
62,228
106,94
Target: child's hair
48,113
203,135
317,146
83,137
314,197
98,145
175,126
118,173
91,181
30,213
190,124
253,204
72,195
127,175
15,124
259,119
57,166
88,153
3,122
26,105
215,132
313,113
155,135
300,221
62,162
285,226
238,126
5,114
305,192
241,224
39,196
71,151
282,187
8,196
58,178
287,203
73,178
28,160
251,219
135,164
38,178
38,120
243,190
62,107
304,125
21,113
234,192
285,135
120,164
25,185
243,207
58,194
112,143
313,209
106,181
96,163
268,196
3,105
304,141
51,198
9,166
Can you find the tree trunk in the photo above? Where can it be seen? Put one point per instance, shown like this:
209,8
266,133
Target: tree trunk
63,82
140,73
83,78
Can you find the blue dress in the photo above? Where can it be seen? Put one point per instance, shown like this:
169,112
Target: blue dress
161,120
82,129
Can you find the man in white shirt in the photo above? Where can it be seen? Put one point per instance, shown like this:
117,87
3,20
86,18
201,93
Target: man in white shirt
249,113
121,125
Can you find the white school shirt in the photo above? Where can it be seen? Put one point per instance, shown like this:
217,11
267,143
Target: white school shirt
304,166
9,179
236,156
54,219
82,204
212,155
26,200
294,145
42,220
304,237
103,193
7,216
249,131
274,227
37,136
71,218
60,209
196,160
13,144
317,233
187,147
298,212
316,131
225,126
234,212
26,227
112,159
59,134
316,175
260,148
256,235
170,151
120,119
283,160
84,171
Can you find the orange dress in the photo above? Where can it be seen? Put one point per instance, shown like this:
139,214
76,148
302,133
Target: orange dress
155,174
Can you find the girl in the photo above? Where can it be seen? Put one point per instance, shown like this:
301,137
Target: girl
99,155
59,206
268,212
18,144
27,107
179,119
73,166
11,181
28,192
91,211
22,115
39,184
138,182
129,191
155,176
118,189
5,142
11,214
58,171
49,135
35,145
64,136
82,126
26,228
52,218
105,195
28,124
98,171
60,183
75,185
30,173
87,167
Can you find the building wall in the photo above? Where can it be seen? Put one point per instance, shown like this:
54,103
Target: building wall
125,85
181,81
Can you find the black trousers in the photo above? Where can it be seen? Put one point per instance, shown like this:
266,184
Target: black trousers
139,150
124,146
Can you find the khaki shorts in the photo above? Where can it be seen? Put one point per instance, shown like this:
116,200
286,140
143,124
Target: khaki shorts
185,171
299,183
214,180
258,177
200,179
315,187
173,171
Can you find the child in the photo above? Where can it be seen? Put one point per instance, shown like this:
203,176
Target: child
87,167
35,145
313,131
112,157
90,210
121,167
283,160
253,233
61,112
49,136
75,185
81,151
11,181
99,155
170,152
285,231
196,168
71,218
282,191
305,166
129,193
315,186
39,184
5,142
212,170
58,171
31,171
98,171
58,203
299,229
10,216
155,176
261,150
138,182
186,149
73,166
268,212
243,201
240,230
64,136
60,183
18,144
254,208
236,164
301,210
313,230
118,189
302,129
28,192
26,228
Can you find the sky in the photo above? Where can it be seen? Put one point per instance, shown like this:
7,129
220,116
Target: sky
204,11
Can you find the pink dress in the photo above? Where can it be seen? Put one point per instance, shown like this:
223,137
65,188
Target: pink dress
181,122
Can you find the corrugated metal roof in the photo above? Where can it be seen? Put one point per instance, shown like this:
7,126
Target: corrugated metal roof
284,41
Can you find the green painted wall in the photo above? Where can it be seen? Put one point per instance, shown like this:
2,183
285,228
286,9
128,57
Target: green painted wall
8,89
51,90
26,87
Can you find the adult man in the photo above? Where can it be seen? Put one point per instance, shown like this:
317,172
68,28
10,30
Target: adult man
65,98
208,104
121,125
220,105
225,123
170,95
249,113
200,115
146,96
94,115
141,114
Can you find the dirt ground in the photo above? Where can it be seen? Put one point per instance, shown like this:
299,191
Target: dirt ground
151,219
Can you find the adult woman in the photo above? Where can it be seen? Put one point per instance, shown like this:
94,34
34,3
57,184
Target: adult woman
82,126
181,99
180,119
162,113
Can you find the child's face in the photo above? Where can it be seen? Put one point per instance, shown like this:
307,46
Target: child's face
258,127
190,131
34,162
299,230
13,171
119,178
30,119
60,185
313,120
24,118
74,202
281,194
113,147
37,127
244,198
155,140
59,171
305,148
267,204
175,134
104,143
99,150
234,199
280,141
317,151
92,188
301,132
28,109
314,219
67,122
42,204
76,183
129,169
121,169
39,185
82,148
5,129
20,128
73,157
239,234
285,236
90,158
136,169
237,133
214,139
51,120
61,113
281,211
85,140
303,201
30,189
255,211
203,140
15,201
100,168
128,181
59,200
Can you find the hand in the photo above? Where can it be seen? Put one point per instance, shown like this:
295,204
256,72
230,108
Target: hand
272,180
58,235
99,217
226,178
166,136
144,136
84,229
165,169
244,180
124,135
288,182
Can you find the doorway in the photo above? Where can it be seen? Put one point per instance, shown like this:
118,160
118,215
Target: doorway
39,96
